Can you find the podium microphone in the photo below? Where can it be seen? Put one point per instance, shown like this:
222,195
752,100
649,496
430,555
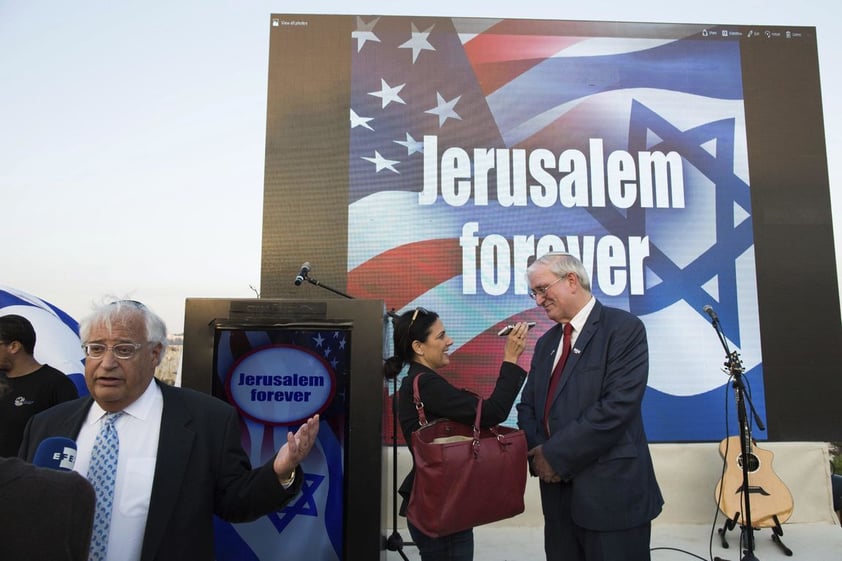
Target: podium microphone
56,452
302,274
709,311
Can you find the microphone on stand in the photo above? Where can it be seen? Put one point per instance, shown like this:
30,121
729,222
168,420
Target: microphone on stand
56,452
302,273
709,311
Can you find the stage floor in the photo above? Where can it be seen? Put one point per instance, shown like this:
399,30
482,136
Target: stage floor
685,529
670,542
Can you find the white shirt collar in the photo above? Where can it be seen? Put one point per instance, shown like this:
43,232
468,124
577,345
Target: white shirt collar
139,408
581,317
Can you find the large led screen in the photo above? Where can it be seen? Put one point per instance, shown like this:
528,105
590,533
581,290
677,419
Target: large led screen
426,161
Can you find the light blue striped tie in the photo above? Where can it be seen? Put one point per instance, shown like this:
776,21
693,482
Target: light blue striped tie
101,474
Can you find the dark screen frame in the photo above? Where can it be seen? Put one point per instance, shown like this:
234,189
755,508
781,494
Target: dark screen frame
797,282
306,196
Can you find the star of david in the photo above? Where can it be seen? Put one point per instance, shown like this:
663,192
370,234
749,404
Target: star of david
304,505
710,149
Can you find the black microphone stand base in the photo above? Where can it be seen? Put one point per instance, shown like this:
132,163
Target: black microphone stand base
746,536
395,543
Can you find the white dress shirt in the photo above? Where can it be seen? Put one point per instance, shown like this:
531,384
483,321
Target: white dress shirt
578,323
138,430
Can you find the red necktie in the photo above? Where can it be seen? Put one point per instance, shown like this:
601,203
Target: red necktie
556,375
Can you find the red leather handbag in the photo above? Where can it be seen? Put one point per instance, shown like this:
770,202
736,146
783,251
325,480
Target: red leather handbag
464,476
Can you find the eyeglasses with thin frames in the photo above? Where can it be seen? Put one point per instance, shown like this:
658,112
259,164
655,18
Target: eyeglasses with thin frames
122,351
542,290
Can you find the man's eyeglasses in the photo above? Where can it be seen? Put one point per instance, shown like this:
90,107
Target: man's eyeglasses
122,351
542,290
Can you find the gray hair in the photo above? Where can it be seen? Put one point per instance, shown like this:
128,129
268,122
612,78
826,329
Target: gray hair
562,264
117,312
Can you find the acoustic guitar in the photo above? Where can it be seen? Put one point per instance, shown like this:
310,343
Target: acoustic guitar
769,498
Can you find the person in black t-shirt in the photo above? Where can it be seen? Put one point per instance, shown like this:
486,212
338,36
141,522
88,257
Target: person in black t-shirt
28,387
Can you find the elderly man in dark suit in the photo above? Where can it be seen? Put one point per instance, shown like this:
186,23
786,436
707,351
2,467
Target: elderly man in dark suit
178,455
583,421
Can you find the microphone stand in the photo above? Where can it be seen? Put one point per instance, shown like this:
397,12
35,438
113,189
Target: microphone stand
394,542
326,287
735,367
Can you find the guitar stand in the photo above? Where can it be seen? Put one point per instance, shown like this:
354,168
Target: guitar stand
730,524
777,532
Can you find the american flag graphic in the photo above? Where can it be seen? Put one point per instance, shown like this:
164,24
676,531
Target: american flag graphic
522,85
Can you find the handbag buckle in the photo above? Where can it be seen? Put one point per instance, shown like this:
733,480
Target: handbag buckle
422,418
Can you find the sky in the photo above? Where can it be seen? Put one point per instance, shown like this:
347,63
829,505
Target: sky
132,134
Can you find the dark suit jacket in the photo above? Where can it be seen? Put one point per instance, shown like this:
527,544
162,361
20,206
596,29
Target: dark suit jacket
201,470
598,443
46,514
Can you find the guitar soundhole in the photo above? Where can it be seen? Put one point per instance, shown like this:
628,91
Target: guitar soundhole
753,462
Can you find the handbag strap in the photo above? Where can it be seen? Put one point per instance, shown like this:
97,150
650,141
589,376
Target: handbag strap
419,405
422,417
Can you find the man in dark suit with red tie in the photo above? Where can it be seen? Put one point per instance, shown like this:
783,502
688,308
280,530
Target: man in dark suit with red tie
582,418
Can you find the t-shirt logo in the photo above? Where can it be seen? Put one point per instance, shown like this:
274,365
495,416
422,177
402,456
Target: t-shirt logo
21,400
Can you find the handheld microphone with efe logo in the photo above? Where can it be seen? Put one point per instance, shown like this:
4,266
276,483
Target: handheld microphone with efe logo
56,452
